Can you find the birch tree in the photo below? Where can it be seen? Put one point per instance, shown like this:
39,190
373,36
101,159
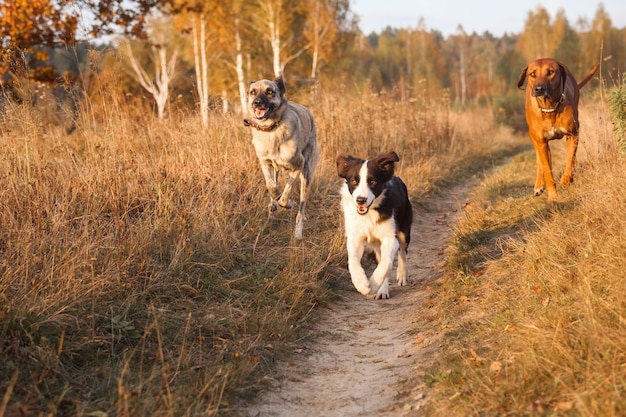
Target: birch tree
325,20
158,86
201,65
275,23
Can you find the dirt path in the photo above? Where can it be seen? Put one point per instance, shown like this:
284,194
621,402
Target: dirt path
368,350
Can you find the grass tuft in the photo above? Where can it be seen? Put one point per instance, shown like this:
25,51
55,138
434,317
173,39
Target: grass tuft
540,332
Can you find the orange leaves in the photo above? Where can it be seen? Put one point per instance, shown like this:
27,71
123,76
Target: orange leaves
26,23
538,289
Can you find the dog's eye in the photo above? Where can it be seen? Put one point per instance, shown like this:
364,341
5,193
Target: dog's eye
354,181
252,92
269,93
550,71
532,74
372,182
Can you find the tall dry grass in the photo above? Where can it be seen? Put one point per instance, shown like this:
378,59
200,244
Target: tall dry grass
140,273
533,309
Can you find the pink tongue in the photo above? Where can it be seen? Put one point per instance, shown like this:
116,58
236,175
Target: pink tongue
260,112
362,210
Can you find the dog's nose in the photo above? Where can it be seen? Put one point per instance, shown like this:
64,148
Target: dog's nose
361,200
539,90
257,102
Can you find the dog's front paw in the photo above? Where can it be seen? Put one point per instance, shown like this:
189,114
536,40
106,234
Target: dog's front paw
383,292
402,281
538,192
567,180
363,289
285,204
272,206
360,282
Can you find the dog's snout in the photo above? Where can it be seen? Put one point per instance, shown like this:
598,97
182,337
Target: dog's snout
539,90
361,200
257,102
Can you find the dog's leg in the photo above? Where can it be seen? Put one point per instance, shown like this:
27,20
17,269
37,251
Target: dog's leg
570,162
544,160
356,248
271,183
284,201
378,280
538,190
402,272
301,216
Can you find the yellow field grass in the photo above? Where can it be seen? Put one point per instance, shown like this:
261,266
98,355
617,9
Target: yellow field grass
533,306
140,273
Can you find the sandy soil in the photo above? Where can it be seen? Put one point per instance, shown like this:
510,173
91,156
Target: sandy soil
368,359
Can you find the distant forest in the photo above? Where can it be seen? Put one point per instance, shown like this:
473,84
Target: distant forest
190,56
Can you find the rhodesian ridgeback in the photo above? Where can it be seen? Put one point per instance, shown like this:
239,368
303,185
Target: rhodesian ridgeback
552,113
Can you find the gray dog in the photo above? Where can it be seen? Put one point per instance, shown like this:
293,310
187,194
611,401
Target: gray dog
284,137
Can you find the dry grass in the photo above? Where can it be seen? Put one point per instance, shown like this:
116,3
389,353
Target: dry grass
139,271
533,308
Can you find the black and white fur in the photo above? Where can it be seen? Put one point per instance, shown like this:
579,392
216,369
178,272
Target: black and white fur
378,217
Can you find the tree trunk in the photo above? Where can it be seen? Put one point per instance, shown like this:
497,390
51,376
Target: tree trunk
199,52
239,69
163,70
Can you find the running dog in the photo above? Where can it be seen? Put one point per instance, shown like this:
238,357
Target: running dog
378,217
284,138
552,113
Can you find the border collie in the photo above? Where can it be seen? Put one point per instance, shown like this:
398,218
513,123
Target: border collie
378,217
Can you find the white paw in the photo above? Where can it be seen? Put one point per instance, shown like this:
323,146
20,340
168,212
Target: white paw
383,292
538,192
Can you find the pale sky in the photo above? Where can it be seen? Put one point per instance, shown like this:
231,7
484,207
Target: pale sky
495,16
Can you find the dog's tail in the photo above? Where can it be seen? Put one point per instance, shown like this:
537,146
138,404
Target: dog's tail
588,77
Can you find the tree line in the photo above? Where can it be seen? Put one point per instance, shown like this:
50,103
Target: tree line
203,52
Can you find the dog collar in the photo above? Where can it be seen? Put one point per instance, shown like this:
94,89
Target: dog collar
555,107
257,126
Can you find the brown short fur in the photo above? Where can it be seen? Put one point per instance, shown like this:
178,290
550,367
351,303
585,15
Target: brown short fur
552,113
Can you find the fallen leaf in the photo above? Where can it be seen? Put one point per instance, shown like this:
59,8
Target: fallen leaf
419,339
538,289
564,405
545,302
463,298
495,367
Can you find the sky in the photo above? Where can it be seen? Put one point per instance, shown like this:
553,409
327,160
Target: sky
495,16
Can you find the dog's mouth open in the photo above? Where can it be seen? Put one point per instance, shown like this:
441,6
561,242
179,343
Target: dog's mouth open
261,112
362,209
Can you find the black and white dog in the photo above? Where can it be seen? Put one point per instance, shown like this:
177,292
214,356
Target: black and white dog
378,217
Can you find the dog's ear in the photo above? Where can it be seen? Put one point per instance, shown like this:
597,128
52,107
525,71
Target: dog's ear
522,78
280,83
563,76
387,162
342,162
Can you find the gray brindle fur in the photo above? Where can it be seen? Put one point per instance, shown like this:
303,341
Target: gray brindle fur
284,138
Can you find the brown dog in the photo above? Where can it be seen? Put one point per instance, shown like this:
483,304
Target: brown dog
551,113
